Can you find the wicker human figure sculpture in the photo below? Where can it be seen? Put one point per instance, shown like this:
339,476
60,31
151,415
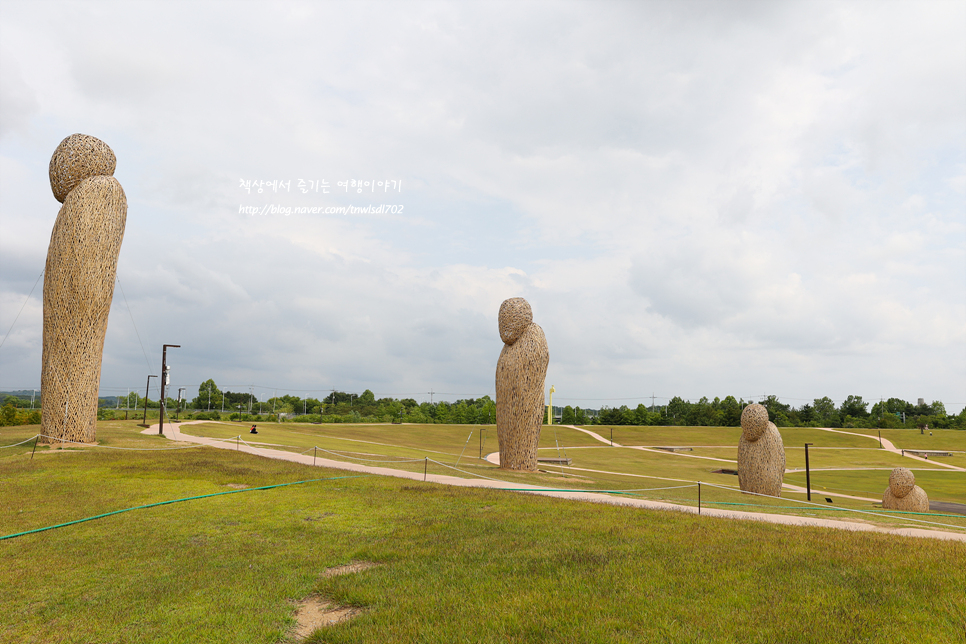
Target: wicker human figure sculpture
903,493
520,374
761,454
79,284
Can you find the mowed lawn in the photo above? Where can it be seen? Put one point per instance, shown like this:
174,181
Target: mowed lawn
455,565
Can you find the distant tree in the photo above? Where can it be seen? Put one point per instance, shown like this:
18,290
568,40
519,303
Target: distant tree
641,415
825,412
730,412
580,417
567,416
806,413
937,408
677,410
775,406
628,416
854,406
702,413
209,396
898,406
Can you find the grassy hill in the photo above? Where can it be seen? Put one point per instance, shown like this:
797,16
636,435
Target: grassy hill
455,565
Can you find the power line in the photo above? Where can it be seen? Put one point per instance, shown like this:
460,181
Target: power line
150,368
22,307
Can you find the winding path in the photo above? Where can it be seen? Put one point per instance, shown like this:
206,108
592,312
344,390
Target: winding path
889,447
173,432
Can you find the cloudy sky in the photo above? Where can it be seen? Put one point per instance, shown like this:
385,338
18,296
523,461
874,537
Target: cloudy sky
697,199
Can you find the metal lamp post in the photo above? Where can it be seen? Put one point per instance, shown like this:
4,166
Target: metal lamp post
147,389
165,377
808,479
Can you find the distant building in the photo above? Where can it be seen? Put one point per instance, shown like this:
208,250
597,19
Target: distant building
922,401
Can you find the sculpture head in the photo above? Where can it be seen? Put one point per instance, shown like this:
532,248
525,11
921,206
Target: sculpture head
515,317
901,482
754,422
79,157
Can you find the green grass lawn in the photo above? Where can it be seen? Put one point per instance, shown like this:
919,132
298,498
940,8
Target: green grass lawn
456,565
851,458
669,436
596,466
951,439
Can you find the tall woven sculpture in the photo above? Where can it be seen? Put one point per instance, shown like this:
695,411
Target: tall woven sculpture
761,454
903,493
79,284
520,374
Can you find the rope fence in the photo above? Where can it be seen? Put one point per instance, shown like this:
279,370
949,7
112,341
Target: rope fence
818,505
132,449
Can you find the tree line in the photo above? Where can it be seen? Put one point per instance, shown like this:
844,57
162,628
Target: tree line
821,412
342,407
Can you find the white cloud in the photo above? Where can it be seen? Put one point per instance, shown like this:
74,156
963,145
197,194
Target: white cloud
698,198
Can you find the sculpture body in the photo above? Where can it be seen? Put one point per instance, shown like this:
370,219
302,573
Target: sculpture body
761,454
520,374
903,493
79,284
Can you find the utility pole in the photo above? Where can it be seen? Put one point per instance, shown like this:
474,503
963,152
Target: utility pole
165,380
431,392
652,402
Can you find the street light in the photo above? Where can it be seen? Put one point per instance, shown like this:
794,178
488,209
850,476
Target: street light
165,378
147,389
550,407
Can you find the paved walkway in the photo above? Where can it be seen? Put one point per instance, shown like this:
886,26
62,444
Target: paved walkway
172,432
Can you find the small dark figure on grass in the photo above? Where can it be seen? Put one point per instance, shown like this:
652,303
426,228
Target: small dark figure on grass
253,430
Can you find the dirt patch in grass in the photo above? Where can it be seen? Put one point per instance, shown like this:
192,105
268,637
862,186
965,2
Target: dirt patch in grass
237,486
314,612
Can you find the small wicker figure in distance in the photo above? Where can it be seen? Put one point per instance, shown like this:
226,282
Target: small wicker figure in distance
903,493
79,284
761,454
520,374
